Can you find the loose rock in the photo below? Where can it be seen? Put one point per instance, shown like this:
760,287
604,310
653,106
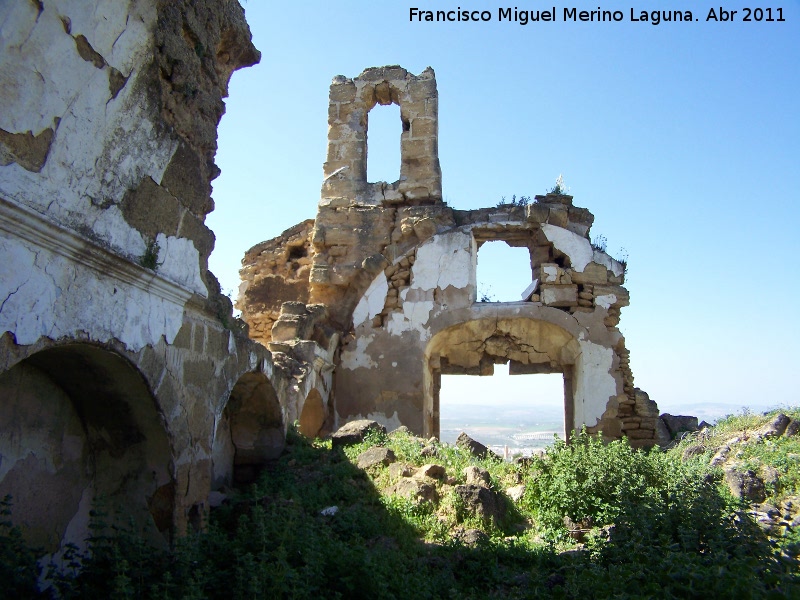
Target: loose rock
516,493
745,484
475,448
354,432
374,457
481,502
432,471
415,489
477,475
775,427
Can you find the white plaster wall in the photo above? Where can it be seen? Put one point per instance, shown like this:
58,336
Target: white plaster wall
594,383
448,260
358,357
45,294
444,261
372,301
101,148
579,249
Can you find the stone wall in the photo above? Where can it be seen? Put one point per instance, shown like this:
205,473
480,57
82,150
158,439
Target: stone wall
393,273
272,273
123,373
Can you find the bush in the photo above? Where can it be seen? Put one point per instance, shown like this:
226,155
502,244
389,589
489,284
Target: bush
18,568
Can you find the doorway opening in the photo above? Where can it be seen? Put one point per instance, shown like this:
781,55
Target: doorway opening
384,127
520,413
504,272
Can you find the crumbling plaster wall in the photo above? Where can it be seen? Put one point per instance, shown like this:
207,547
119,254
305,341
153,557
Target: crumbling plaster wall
435,318
107,144
393,274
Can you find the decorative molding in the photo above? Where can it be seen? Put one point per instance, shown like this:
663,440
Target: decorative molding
35,229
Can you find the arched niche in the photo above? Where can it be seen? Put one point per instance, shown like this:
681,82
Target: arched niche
79,428
313,415
250,432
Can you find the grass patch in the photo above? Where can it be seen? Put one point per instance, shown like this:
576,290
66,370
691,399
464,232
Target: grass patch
656,526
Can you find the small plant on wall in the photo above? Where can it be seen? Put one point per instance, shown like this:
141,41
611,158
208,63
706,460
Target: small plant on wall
559,188
485,294
521,201
149,260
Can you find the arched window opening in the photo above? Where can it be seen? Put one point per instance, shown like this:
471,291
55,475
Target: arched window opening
384,127
510,414
504,272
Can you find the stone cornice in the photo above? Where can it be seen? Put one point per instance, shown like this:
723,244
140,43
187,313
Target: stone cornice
34,228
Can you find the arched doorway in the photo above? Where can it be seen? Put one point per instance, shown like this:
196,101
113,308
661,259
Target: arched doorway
530,346
78,426
312,417
250,432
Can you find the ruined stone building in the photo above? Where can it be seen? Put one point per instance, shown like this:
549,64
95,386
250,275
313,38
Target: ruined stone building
382,284
123,375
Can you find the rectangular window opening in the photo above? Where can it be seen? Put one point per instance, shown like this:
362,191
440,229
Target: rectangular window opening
504,272
512,415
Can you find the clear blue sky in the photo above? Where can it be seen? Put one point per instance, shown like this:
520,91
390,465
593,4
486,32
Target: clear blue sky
681,138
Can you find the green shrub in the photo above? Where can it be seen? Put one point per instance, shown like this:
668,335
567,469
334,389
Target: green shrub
18,568
589,481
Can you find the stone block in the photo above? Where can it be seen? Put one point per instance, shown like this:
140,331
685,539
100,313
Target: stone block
644,406
677,424
198,372
151,209
418,149
547,273
558,216
593,273
354,432
424,228
319,274
621,294
423,127
375,263
640,434
537,213
433,471
184,180
376,456
559,295
343,92
285,330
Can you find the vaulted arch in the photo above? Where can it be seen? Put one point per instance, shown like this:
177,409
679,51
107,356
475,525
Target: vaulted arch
79,426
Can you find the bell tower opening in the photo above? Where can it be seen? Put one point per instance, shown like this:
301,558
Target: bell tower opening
384,127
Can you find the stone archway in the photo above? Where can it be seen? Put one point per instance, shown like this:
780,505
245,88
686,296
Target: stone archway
78,426
250,433
473,348
313,415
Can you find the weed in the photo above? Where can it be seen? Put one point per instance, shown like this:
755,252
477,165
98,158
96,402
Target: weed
559,188
599,243
658,527
522,201
149,260
18,567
